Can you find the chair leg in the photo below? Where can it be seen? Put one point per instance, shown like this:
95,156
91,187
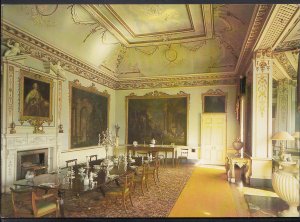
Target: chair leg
154,178
124,203
131,200
157,176
146,185
142,187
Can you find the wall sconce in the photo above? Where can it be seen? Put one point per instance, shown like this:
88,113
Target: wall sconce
282,136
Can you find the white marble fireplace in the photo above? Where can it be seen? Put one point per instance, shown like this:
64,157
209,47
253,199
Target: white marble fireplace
12,144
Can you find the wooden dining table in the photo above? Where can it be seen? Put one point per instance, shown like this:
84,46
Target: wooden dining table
61,182
148,149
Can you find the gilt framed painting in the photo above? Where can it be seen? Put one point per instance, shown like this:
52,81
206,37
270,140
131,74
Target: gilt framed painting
157,115
89,109
214,101
35,97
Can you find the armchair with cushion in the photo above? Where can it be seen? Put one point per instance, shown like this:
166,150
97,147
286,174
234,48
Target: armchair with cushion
21,202
44,204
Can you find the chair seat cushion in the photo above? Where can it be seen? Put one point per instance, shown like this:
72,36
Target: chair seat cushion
45,206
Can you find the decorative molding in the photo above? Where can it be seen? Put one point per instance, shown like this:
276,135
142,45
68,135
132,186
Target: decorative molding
156,93
183,81
45,52
287,46
91,88
216,92
10,93
286,64
263,59
282,94
262,91
282,18
262,12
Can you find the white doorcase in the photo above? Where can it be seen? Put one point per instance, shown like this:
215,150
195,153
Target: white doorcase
213,138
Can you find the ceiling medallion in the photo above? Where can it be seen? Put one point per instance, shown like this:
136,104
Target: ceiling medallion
171,55
46,10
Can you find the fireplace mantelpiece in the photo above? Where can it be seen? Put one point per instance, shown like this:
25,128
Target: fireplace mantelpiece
12,143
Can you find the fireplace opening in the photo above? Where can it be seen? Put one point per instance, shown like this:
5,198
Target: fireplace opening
32,160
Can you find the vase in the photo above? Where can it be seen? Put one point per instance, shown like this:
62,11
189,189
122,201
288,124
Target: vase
286,185
237,145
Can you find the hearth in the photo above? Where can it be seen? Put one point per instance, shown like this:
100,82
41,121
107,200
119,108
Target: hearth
32,160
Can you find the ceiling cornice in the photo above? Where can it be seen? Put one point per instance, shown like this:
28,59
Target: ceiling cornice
260,16
45,52
182,81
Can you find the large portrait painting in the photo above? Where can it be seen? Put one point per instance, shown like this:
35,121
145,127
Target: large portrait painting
157,115
35,97
214,101
89,114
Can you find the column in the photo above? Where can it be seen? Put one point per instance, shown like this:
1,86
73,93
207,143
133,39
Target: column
262,118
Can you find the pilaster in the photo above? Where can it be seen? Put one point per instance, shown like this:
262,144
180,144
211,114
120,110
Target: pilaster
262,115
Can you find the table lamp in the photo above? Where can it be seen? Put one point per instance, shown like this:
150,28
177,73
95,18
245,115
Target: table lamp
296,135
282,136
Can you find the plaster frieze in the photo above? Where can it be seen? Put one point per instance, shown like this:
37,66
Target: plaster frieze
175,82
44,52
283,86
259,19
263,60
262,92
286,64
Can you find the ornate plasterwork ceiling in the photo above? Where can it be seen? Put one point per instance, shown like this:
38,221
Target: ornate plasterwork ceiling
154,24
90,48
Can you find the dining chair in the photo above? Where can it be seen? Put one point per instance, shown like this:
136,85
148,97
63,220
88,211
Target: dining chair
184,153
153,171
44,204
21,202
123,191
93,157
140,177
73,162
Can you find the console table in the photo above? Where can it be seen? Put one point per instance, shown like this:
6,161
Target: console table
168,149
231,161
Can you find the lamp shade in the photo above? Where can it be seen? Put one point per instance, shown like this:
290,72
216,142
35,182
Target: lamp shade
296,134
282,136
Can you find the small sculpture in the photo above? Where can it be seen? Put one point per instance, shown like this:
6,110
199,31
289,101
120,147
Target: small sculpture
57,69
14,50
60,128
12,128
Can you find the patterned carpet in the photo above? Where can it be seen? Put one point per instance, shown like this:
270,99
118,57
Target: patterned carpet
157,202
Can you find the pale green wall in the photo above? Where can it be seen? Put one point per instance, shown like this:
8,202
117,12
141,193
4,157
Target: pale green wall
195,110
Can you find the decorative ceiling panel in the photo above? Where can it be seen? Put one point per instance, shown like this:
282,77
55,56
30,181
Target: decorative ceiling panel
150,24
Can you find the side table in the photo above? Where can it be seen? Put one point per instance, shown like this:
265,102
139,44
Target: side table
231,161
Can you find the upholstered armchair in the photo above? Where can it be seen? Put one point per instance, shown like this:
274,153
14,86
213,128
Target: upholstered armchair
44,204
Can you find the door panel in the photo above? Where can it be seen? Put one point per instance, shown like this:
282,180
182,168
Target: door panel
213,138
